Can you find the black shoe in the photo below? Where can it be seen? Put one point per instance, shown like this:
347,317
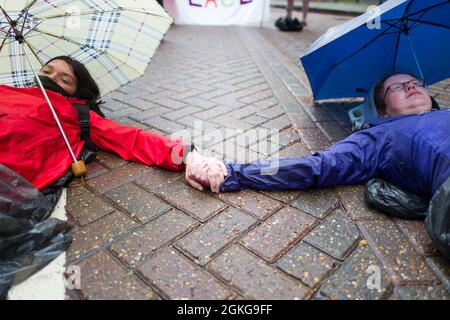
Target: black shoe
281,24
296,25
288,24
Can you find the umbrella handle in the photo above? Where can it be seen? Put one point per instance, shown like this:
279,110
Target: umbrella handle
79,168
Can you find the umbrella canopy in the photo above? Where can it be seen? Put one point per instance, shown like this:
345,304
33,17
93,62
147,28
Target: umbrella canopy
114,39
412,36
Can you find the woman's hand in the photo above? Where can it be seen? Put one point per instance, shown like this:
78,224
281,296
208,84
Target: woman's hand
204,172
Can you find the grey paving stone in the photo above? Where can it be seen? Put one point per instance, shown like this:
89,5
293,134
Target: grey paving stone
139,203
204,243
361,277
136,246
198,204
178,279
318,203
424,292
278,233
254,279
102,278
336,235
307,263
403,264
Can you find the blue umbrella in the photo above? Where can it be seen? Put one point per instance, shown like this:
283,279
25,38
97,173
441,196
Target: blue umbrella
412,36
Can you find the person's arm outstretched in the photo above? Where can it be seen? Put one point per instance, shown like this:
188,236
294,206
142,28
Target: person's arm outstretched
354,160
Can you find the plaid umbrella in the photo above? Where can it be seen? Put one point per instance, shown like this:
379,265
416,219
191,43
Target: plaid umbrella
114,39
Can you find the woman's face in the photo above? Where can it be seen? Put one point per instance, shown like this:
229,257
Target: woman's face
61,73
409,100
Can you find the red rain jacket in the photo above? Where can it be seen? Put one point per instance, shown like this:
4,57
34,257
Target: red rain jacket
32,145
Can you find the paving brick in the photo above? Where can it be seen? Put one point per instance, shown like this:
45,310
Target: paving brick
272,112
424,292
284,196
114,105
206,241
197,124
120,113
255,279
279,123
295,150
102,278
286,137
441,268
140,103
318,112
415,232
159,177
214,112
254,120
232,123
243,112
137,202
314,139
95,234
199,102
170,103
136,246
177,278
361,277
336,235
150,113
164,125
233,152
334,131
352,197
399,258
301,120
133,123
95,169
180,113
307,264
84,207
252,136
109,160
317,202
198,204
278,233
252,202
266,103
118,176
265,148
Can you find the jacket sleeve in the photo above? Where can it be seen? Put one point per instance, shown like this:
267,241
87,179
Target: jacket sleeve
356,159
135,144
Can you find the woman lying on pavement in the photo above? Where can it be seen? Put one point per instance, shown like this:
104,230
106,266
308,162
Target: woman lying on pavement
32,146
409,147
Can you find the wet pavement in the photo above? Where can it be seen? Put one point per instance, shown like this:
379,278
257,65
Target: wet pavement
143,233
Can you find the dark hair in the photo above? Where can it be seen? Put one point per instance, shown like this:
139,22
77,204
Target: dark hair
87,88
379,95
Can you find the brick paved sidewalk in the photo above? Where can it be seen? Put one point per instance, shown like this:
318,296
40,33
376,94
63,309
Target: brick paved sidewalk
142,233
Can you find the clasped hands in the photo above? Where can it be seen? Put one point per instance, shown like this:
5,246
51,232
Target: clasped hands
204,172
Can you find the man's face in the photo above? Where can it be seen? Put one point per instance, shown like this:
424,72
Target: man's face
409,100
61,73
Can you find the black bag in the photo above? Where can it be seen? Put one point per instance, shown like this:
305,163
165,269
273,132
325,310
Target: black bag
28,239
437,222
395,201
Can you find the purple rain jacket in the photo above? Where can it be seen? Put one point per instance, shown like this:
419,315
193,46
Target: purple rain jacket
411,151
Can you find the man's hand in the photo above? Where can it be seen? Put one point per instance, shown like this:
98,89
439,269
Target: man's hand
204,172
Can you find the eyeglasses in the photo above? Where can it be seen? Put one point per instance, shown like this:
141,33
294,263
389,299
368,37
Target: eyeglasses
395,87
